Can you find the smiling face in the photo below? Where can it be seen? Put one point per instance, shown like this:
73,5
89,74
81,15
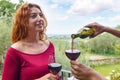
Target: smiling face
29,19
36,22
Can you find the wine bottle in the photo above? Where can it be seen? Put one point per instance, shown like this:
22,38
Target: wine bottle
83,33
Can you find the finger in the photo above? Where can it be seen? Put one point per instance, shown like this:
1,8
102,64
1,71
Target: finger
53,77
79,76
88,26
94,35
76,70
74,62
73,73
77,66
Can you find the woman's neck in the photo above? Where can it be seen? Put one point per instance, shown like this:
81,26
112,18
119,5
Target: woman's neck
34,37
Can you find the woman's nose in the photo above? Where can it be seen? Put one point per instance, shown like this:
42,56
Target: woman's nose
39,18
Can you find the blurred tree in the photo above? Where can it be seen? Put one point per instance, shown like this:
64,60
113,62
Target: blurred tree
7,8
118,27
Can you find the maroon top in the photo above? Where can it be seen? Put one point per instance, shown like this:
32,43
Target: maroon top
21,66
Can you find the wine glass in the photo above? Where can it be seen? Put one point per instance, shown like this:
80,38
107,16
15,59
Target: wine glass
72,53
53,66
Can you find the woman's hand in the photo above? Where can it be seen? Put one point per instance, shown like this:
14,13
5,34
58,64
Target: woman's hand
48,76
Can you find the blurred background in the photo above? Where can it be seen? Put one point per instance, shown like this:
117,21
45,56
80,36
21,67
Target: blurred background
66,17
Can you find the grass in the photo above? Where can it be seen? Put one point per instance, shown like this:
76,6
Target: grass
106,69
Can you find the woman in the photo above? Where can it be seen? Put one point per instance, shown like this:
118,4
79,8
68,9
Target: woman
82,72
27,57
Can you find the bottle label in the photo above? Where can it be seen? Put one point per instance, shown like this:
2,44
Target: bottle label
83,33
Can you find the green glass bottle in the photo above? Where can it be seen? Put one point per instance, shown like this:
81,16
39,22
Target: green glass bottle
83,33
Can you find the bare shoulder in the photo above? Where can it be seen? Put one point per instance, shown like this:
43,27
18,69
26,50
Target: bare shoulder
46,42
16,45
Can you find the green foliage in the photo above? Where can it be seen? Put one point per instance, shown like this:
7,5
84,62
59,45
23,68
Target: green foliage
106,69
104,44
4,40
4,37
115,74
7,8
117,27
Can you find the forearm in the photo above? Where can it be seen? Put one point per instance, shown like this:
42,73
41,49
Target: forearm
93,75
97,76
112,31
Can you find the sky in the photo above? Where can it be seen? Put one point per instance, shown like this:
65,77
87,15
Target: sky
68,16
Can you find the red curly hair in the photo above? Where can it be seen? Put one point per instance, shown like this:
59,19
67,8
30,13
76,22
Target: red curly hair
20,23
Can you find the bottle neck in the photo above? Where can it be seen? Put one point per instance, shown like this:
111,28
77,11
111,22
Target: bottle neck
73,36
84,33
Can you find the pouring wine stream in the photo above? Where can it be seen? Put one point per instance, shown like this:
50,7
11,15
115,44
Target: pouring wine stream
72,53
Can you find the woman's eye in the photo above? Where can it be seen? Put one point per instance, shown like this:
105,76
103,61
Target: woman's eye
41,15
33,15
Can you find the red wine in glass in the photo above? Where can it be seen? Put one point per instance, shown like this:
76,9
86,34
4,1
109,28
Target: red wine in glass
54,67
72,54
